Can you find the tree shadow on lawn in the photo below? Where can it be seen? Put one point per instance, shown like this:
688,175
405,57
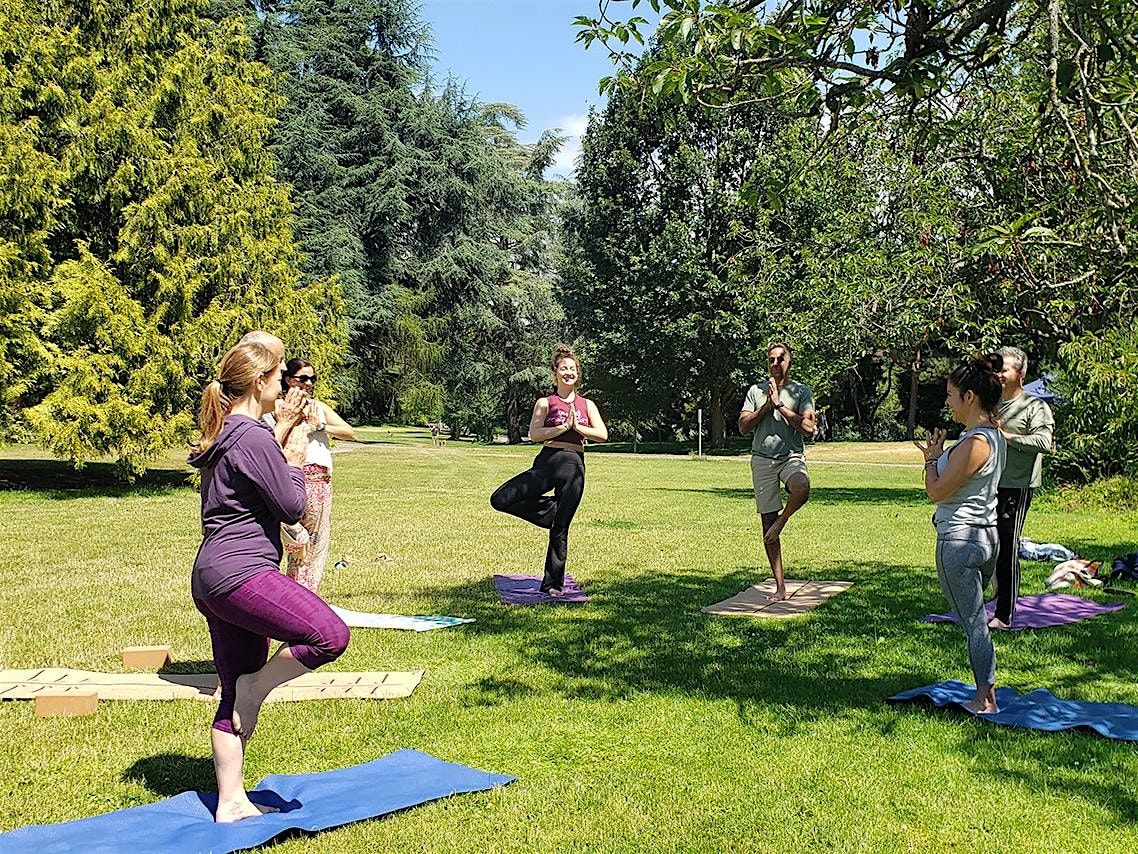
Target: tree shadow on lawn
1074,763
59,480
168,774
1106,552
647,634
828,495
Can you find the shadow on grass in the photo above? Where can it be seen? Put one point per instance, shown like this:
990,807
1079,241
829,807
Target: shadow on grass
59,480
1106,552
822,494
187,667
647,634
168,774
1071,763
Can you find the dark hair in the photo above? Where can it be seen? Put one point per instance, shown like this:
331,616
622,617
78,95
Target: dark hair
981,376
777,344
294,365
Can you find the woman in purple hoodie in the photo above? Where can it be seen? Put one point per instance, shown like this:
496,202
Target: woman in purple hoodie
249,487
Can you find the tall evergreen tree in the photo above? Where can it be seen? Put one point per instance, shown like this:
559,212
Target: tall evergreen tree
143,217
414,196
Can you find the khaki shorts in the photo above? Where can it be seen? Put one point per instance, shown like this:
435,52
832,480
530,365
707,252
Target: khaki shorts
768,475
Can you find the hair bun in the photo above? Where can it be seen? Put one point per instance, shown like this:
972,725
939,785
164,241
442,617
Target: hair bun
995,362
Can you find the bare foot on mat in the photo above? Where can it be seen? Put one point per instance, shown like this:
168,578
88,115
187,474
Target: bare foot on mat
982,707
228,813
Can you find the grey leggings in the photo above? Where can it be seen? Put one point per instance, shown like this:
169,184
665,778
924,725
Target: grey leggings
965,561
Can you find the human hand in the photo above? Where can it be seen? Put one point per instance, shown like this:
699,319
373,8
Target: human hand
293,407
935,445
314,415
772,393
571,420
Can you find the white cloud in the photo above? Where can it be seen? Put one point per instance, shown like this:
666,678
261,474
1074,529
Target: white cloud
573,127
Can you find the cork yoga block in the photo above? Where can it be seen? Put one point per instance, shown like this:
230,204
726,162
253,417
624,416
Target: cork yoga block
70,705
146,657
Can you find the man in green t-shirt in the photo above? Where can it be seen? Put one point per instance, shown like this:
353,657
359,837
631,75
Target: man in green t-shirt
781,412
1029,428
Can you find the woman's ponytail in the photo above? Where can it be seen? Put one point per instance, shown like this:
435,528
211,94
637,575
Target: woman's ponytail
240,369
211,415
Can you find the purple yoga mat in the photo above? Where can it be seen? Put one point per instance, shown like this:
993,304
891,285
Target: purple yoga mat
1043,611
526,590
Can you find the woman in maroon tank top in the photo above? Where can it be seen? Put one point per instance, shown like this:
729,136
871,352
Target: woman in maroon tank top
562,422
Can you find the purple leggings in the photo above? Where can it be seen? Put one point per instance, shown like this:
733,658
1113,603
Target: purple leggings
267,605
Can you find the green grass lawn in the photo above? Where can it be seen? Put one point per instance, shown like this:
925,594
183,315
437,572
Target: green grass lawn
634,723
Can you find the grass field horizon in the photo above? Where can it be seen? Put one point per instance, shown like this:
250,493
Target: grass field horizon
635,723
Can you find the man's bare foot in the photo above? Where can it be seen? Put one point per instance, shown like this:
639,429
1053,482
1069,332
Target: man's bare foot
237,810
772,533
246,707
982,707
997,623
553,591
779,594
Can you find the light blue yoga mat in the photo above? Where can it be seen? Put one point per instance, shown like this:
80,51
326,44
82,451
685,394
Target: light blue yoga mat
1039,709
368,620
184,823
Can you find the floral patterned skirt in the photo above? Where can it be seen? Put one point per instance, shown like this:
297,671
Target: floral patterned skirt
308,567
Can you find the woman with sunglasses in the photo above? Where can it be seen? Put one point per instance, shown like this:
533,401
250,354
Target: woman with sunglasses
306,562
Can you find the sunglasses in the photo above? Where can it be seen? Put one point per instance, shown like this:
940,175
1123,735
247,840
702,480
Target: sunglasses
308,379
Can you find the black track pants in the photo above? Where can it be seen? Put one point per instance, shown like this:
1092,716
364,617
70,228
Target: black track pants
1011,509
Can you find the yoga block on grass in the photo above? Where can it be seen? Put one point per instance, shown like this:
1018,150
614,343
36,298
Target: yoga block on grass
70,705
146,657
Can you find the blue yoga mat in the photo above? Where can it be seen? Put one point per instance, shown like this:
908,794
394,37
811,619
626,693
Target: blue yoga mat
184,823
1039,709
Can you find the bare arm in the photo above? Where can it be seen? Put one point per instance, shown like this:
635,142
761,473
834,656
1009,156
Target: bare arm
538,432
962,464
336,426
749,419
803,423
596,431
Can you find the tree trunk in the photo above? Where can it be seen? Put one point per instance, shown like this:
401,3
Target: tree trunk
914,387
513,434
718,424
635,438
871,415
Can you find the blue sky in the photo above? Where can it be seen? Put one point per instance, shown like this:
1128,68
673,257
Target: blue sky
522,52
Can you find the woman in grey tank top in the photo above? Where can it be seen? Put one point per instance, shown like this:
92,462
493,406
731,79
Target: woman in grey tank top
962,482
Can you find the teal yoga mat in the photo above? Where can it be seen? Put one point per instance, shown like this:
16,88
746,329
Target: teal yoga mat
184,823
